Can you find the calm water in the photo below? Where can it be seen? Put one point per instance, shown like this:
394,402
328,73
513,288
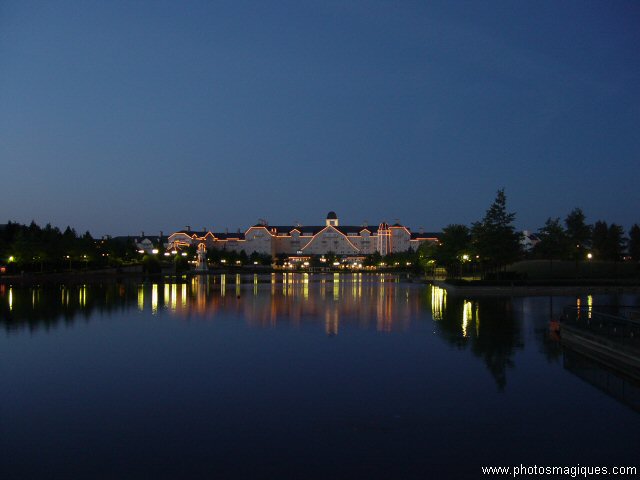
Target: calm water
349,376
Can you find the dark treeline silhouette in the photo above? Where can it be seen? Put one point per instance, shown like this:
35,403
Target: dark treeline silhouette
32,248
489,245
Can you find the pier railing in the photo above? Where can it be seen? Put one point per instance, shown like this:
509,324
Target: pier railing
619,323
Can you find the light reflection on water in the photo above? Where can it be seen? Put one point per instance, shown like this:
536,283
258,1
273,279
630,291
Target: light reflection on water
336,366
365,301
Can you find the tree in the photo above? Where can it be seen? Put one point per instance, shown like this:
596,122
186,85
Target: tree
578,233
599,239
494,237
634,242
427,254
608,241
554,241
455,244
615,242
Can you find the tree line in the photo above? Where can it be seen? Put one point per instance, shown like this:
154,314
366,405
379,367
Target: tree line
493,242
486,246
35,248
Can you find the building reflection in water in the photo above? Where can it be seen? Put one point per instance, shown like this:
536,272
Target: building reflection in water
438,302
379,302
335,301
368,301
141,297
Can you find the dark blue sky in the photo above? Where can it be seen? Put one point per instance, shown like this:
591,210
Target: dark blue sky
125,116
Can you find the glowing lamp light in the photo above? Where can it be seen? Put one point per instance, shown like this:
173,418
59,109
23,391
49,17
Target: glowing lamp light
589,256
140,251
11,258
154,251
238,262
184,254
465,257
255,263
166,254
335,264
306,264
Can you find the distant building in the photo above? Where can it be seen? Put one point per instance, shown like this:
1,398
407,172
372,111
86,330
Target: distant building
150,243
309,240
528,240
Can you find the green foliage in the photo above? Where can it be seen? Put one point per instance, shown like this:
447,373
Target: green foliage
615,242
47,249
494,238
260,259
427,255
599,239
151,264
372,260
554,241
455,243
578,233
181,264
608,241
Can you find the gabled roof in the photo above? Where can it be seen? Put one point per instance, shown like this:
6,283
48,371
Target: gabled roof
229,236
425,235
123,238
191,233
331,227
346,229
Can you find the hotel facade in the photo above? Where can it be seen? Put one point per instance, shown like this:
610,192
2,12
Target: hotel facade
308,240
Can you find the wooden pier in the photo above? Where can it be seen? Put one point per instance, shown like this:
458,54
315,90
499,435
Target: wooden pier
610,335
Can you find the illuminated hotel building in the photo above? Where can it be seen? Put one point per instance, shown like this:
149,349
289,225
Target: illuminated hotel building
309,240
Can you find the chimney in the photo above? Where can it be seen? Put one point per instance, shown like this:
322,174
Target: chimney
188,228
142,233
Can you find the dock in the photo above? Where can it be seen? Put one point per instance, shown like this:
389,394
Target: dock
608,335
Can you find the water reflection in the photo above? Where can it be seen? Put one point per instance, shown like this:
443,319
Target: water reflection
619,385
334,301
365,300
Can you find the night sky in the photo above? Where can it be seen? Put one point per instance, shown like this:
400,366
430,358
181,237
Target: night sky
125,116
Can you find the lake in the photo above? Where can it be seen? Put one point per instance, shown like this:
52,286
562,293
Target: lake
298,376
